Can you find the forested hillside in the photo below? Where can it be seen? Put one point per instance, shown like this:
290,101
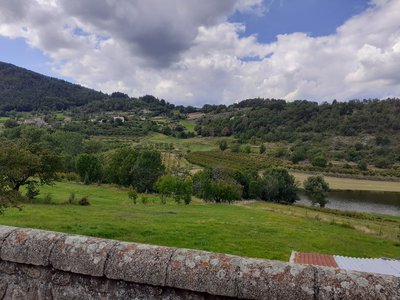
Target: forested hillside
273,120
24,90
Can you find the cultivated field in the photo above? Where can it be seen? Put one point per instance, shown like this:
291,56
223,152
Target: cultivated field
253,229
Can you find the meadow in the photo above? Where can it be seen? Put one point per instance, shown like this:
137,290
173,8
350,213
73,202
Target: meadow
253,229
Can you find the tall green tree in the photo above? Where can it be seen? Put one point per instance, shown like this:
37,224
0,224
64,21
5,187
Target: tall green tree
317,189
216,185
23,164
89,168
146,170
277,185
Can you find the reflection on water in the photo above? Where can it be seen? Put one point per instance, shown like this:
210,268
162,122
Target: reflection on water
387,203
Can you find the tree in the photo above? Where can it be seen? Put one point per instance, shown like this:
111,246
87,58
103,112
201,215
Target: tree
22,164
165,186
298,154
262,149
319,161
172,186
277,185
146,170
317,189
216,185
245,178
223,145
89,168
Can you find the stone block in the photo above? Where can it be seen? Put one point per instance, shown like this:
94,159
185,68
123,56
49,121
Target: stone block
139,263
202,271
29,246
341,284
80,254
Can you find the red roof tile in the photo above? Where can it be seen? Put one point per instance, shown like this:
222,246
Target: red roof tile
315,259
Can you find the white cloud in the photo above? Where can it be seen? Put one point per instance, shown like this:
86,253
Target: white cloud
188,52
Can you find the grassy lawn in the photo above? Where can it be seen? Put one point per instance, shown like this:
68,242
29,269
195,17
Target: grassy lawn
251,229
354,184
3,119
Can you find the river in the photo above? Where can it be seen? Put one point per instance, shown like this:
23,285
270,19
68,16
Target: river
387,203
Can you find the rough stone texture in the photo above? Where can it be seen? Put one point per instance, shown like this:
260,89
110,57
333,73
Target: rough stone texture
54,284
5,231
340,284
83,255
265,279
37,264
139,263
29,246
202,271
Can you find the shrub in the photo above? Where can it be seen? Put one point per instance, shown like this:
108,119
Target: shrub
246,149
262,149
72,198
223,145
84,201
48,198
133,195
32,191
319,161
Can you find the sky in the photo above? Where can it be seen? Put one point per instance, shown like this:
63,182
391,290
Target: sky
194,52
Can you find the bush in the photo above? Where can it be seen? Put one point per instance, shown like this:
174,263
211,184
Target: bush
84,201
133,195
72,198
223,145
48,198
32,191
319,161
144,199
262,149
362,165
246,149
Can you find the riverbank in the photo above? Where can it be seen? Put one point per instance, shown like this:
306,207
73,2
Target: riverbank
352,184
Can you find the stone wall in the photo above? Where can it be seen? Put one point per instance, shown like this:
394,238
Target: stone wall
37,264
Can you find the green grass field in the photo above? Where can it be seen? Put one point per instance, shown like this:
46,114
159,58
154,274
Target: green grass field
251,229
3,119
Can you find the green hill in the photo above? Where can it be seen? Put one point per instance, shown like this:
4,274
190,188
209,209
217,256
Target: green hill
24,90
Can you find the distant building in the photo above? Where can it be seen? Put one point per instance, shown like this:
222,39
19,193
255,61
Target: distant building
371,265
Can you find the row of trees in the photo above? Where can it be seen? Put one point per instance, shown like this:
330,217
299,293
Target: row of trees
219,185
139,168
33,157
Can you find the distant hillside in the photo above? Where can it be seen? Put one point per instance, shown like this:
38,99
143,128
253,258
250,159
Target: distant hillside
24,90
276,120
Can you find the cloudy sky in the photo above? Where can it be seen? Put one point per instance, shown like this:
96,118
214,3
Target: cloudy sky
210,51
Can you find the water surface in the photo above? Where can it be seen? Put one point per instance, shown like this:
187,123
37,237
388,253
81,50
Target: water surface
387,203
